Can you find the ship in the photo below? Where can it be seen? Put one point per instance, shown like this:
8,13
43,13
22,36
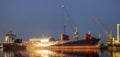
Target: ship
11,43
49,42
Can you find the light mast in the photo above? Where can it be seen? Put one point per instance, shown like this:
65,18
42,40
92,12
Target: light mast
118,33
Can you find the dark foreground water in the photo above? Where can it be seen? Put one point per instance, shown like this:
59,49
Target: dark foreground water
59,53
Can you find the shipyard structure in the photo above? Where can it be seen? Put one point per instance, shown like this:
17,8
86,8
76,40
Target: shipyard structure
115,41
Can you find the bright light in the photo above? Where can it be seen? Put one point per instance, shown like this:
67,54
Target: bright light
44,53
6,38
44,44
45,40
41,44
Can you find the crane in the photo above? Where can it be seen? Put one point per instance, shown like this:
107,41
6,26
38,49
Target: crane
103,29
70,21
67,16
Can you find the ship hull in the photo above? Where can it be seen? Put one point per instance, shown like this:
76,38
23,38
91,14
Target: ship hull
90,42
73,44
13,46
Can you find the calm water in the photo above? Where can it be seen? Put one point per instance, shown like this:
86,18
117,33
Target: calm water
59,53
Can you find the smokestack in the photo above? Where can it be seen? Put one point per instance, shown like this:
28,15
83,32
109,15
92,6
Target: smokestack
118,38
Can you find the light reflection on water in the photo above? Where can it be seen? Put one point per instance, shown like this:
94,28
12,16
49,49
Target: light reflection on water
62,53
59,53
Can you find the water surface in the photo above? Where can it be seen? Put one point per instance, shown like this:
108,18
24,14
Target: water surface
59,53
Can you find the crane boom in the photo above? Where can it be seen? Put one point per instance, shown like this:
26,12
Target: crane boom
67,17
99,24
104,30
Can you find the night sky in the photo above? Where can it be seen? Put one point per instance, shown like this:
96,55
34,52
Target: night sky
38,18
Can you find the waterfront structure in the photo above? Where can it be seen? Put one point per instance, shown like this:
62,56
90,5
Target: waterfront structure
115,41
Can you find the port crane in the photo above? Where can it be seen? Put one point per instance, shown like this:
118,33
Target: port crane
76,36
109,35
